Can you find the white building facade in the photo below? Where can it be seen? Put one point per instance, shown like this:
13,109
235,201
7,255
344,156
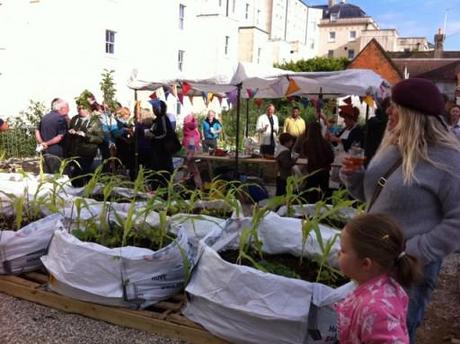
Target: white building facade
58,48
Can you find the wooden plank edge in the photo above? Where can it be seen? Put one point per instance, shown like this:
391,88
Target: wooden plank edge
113,315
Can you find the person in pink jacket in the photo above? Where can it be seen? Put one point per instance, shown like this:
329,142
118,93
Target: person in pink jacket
191,142
372,254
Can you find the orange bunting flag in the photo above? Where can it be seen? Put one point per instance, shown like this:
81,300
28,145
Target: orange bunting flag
292,87
369,101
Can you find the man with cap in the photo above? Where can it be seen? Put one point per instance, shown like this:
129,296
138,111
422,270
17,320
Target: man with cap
416,170
50,135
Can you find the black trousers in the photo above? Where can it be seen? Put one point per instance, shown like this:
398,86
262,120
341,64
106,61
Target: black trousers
51,163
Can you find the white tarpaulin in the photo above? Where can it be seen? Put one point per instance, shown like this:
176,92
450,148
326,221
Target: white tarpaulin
268,82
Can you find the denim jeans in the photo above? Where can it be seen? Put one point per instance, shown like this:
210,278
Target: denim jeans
419,297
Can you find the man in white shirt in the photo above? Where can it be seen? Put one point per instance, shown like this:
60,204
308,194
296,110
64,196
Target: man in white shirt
267,127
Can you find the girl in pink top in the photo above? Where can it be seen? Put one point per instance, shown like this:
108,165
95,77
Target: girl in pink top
191,133
372,254
191,143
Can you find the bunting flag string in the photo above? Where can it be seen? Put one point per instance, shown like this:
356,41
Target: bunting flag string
347,100
292,87
180,95
204,95
369,101
186,88
252,93
210,97
174,90
231,96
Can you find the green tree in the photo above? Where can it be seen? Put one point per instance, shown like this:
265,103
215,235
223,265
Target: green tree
316,64
108,89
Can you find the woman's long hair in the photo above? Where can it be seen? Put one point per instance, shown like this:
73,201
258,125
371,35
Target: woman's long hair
414,134
316,147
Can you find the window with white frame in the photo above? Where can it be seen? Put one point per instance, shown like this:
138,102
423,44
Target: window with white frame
330,53
332,36
180,59
351,54
227,39
259,52
246,13
352,35
181,16
333,17
110,41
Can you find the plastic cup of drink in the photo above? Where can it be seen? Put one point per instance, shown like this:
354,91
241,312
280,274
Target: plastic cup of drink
356,157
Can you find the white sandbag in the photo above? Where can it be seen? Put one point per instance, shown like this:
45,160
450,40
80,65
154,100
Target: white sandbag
284,235
27,185
244,305
127,276
20,251
306,210
196,226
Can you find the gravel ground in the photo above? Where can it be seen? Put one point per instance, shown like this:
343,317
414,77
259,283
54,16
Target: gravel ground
23,322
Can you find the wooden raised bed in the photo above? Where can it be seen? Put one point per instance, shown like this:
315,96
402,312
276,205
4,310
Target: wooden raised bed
164,318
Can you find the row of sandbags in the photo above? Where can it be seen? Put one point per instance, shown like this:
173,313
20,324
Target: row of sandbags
238,303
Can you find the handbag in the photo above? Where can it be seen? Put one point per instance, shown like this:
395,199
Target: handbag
381,183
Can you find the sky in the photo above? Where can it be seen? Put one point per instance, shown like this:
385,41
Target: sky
413,17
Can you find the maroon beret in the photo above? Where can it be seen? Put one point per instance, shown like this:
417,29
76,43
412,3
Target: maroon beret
418,94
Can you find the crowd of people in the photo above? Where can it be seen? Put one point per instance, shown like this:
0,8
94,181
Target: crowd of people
408,178
121,140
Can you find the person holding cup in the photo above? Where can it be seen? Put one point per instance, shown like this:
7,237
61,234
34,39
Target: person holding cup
414,179
352,134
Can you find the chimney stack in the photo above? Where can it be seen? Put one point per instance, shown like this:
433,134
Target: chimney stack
331,3
439,43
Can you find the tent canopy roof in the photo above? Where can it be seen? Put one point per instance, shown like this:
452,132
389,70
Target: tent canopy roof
265,82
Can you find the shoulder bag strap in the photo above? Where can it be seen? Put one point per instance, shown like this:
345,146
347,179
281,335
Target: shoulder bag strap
381,183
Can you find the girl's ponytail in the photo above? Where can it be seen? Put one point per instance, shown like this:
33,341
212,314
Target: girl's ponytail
407,270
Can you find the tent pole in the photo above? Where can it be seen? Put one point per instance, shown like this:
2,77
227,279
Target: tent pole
136,137
238,108
247,118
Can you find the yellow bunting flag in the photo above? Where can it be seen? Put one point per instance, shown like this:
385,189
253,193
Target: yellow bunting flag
210,97
292,87
369,101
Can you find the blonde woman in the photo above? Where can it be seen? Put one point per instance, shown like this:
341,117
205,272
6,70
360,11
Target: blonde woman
420,159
